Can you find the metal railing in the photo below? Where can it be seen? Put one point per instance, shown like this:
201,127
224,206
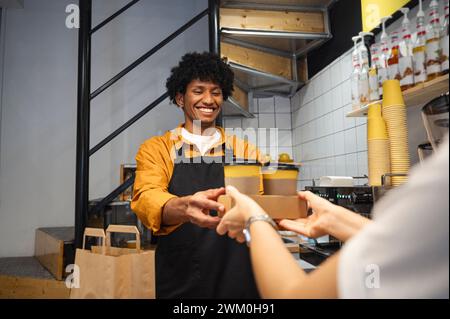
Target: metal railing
84,96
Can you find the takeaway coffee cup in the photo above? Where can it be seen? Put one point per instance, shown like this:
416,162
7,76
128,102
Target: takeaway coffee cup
245,176
280,179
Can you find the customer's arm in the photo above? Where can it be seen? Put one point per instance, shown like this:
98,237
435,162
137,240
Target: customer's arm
327,219
277,273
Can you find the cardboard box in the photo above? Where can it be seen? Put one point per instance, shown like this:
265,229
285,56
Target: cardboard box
54,249
276,206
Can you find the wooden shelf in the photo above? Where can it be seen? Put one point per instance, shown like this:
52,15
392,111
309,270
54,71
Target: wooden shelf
362,111
418,95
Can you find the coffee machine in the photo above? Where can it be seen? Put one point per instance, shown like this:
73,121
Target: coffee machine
359,199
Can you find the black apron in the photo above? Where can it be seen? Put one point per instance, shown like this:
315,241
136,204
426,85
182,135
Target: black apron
195,262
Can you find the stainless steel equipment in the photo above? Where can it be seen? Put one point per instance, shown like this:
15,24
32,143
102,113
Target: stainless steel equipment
380,191
359,199
356,198
424,150
435,115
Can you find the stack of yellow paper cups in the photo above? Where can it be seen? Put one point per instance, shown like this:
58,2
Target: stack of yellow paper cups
394,113
377,145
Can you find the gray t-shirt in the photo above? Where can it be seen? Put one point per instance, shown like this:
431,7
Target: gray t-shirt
404,252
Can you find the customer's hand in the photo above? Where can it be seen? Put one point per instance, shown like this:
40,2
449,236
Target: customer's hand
233,222
315,225
200,204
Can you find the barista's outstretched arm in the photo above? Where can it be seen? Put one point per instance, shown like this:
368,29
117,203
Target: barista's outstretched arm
194,208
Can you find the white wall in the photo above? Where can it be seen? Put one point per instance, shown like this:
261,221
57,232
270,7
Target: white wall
324,139
38,104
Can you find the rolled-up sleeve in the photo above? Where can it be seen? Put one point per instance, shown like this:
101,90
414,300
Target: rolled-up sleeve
153,173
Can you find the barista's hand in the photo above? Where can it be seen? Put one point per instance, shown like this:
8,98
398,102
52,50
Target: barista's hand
315,225
233,222
199,205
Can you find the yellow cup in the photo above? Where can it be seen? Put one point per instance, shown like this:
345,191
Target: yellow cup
374,110
376,128
280,179
392,93
281,174
244,176
242,170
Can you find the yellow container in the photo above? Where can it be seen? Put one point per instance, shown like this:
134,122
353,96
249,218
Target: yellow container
244,176
242,170
280,179
392,93
374,110
378,159
376,129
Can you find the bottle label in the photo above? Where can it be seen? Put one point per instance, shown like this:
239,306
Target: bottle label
406,70
374,94
433,57
382,76
354,89
420,75
394,72
363,89
434,15
355,60
444,56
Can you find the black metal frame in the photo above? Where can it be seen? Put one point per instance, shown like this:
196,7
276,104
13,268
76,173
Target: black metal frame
83,121
214,36
84,96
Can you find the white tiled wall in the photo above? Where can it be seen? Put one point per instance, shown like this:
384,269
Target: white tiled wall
324,139
269,113
313,127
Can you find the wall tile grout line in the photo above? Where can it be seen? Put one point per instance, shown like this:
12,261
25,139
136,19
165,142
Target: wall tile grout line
334,156
327,135
316,118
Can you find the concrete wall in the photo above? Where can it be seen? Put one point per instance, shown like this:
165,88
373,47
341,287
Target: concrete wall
38,104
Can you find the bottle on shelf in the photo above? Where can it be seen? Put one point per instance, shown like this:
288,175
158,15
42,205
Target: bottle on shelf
393,61
419,48
444,41
382,69
363,83
354,80
405,63
374,90
433,42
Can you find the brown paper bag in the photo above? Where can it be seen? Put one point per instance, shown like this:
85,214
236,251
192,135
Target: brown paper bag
111,272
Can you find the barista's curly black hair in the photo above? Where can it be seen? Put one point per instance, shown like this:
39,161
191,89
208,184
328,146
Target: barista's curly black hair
200,66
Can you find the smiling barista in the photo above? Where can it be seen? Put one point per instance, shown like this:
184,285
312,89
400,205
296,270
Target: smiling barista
179,177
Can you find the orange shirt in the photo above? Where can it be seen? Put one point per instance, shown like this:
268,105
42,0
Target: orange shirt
155,163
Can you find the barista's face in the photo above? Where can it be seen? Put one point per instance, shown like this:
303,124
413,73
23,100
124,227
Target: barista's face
202,101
